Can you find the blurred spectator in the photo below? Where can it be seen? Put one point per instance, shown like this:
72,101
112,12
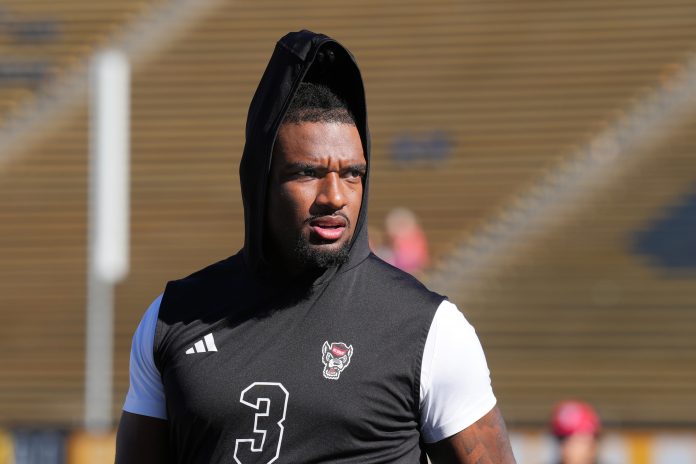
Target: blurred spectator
40,446
378,245
408,242
576,425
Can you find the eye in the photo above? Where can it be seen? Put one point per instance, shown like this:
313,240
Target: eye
307,173
355,174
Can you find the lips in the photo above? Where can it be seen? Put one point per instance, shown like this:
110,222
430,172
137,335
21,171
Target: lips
329,228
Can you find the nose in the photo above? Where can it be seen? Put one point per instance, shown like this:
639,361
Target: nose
330,194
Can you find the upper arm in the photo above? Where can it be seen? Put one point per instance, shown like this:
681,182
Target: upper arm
460,423
455,381
142,439
143,431
146,393
484,442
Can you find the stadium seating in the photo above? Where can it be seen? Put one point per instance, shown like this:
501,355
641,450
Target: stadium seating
513,86
39,40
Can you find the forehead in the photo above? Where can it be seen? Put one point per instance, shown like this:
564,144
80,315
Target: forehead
318,142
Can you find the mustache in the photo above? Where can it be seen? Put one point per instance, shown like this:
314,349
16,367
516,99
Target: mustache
320,216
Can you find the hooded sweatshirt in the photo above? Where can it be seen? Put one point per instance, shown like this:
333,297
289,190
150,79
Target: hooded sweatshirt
256,368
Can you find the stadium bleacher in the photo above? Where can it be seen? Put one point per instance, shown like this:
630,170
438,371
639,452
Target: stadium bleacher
514,87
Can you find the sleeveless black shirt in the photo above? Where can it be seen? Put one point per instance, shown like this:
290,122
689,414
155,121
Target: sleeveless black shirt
263,396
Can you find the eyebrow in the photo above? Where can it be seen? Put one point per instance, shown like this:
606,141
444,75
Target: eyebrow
301,166
362,167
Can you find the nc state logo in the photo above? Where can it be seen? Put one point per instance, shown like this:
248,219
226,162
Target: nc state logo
336,358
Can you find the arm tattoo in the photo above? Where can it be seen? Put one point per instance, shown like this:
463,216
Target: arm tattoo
484,442
489,430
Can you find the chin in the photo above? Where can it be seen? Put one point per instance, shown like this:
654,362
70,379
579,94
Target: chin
324,255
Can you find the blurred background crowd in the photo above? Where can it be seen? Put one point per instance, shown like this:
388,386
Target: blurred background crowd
534,160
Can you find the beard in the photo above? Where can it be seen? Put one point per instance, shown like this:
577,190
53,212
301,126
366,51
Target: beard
315,257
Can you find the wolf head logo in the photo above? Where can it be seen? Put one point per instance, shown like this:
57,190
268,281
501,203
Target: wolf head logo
336,357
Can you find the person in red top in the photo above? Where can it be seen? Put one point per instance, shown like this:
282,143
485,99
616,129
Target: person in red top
409,245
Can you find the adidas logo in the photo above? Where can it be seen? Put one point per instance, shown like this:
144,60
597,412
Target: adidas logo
202,346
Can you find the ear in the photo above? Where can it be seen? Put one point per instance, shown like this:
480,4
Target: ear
350,354
325,348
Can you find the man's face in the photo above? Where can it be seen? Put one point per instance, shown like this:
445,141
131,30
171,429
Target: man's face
314,194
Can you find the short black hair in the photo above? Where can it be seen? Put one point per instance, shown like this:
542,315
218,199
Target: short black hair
317,103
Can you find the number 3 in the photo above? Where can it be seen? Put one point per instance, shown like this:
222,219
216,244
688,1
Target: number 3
271,400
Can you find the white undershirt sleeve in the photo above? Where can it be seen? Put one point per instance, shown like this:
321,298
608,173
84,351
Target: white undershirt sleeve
146,392
455,387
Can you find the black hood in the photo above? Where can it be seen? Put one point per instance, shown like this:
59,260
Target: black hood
298,57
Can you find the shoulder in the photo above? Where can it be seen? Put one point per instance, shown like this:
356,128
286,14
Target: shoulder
211,279
382,276
211,274
205,292
455,387
389,297
145,393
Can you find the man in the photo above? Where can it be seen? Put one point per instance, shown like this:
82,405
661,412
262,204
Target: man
304,346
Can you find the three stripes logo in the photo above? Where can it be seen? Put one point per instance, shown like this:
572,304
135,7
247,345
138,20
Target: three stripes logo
203,346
